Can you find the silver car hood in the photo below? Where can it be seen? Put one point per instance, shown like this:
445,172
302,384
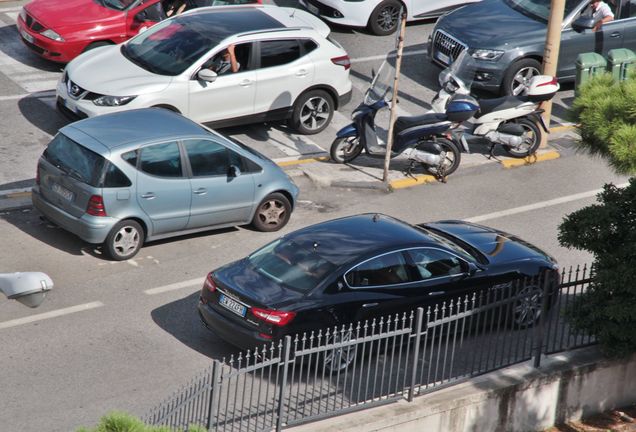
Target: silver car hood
106,71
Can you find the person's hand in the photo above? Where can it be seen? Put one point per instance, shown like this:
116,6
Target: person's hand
230,49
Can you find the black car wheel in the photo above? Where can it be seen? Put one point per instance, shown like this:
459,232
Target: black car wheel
312,112
385,18
272,213
517,77
527,306
339,358
124,240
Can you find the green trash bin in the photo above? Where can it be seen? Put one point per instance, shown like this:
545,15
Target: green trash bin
620,62
588,65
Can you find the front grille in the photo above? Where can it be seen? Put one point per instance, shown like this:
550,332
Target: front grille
33,24
447,45
74,91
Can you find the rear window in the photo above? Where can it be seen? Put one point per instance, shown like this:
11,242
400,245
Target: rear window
75,160
285,262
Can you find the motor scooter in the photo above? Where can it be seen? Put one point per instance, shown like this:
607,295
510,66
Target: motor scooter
424,139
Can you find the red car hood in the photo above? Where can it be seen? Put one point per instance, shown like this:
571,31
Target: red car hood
56,14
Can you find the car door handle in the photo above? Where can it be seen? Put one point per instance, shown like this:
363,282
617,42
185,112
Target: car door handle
615,34
149,195
200,191
436,293
301,73
245,83
370,305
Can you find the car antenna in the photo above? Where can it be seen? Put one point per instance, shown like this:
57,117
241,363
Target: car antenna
293,13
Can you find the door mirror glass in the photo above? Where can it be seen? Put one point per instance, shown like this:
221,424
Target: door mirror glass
207,75
583,23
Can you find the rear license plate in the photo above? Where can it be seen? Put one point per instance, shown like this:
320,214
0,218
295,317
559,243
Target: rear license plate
232,305
27,37
442,57
62,191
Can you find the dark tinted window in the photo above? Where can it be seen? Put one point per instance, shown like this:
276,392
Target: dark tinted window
115,178
389,269
162,160
433,263
130,157
75,160
207,158
308,45
280,52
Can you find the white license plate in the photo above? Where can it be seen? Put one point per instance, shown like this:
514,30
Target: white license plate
232,305
26,36
442,57
62,191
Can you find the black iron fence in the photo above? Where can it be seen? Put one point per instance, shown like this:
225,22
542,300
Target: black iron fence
352,367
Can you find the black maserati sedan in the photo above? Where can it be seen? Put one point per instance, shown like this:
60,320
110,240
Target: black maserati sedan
358,268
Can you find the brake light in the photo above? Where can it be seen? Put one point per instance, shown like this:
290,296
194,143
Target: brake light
343,61
95,206
209,283
553,82
279,318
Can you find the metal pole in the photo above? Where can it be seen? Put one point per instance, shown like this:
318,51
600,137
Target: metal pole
551,54
394,101
216,369
281,395
416,349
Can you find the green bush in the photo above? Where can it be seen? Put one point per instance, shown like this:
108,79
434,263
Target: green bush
123,422
608,230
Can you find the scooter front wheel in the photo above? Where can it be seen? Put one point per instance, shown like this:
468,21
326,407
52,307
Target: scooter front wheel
345,149
531,140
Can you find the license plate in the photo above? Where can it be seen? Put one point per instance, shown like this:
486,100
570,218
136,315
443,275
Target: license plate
26,36
442,57
232,305
63,192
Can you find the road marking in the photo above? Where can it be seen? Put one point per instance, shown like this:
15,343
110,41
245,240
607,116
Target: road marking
384,56
51,314
539,205
10,9
198,282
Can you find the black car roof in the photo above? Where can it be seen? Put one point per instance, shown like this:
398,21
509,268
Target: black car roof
218,23
342,240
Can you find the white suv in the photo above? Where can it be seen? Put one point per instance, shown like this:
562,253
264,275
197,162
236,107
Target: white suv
287,69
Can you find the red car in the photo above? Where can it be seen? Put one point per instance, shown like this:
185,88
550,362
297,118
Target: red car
62,30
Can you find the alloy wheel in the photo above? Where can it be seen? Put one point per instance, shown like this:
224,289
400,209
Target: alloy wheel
527,308
388,17
126,240
315,113
272,212
521,80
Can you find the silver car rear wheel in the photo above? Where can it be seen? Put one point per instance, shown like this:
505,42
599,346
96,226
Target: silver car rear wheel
124,240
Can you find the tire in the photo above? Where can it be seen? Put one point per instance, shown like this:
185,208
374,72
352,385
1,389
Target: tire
313,111
452,159
338,359
385,18
531,140
518,75
97,44
346,149
272,213
527,308
124,240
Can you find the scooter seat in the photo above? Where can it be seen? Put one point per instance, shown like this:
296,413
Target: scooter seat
403,123
486,106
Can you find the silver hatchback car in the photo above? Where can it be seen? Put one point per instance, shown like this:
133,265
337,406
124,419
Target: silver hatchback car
125,178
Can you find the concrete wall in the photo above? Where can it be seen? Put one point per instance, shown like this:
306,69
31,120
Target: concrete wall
520,398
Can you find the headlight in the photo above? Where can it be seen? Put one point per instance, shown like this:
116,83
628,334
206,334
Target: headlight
23,14
113,100
485,54
52,35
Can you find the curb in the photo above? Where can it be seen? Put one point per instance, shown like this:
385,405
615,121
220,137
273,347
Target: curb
529,160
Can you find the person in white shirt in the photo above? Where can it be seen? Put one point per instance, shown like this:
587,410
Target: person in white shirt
601,13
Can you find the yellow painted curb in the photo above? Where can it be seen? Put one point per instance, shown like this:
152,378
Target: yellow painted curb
549,155
301,161
562,128
408,182
19,195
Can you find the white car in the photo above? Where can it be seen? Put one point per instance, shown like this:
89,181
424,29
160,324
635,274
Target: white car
381,17
287,69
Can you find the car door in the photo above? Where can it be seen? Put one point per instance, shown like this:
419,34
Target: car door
627,16
573,43
222,188
163,192
285,71
230,96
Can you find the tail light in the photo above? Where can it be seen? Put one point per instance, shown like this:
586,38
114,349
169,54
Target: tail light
209,283
95,206
343,61
279,318
547,83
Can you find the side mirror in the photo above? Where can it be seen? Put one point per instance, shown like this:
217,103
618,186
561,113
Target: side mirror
29,288
141,16
234,171
207,75
583,23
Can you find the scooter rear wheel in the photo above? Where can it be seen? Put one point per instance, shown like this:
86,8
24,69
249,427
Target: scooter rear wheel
346,149
531,140
452,157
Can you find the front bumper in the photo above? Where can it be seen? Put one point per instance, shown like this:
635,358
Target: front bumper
81,108
60,52
337,12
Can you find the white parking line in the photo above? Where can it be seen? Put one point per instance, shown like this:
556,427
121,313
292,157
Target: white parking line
539,205
175,286
10,9
384,56
51,314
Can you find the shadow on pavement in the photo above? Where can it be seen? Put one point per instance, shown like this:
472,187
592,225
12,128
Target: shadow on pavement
31,108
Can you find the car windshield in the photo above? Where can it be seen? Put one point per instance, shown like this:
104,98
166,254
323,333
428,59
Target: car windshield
287,263
450,243
540,9
75,160
172,46
119,5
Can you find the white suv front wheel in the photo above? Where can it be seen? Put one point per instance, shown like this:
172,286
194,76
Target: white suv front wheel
313,111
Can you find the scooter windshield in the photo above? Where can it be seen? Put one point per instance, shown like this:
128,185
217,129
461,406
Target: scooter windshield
382,85
462,71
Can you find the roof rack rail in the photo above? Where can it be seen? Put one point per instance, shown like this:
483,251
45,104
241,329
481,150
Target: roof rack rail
276,29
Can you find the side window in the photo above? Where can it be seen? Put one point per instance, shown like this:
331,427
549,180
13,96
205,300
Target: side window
434,263
114,177
221,62
279,52
308,45
389,269
130,157
628,9
161,160
207,158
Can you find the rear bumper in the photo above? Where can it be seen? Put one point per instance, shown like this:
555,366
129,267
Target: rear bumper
345,98
354,14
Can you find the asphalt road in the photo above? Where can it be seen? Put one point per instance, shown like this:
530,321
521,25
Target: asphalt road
125,335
